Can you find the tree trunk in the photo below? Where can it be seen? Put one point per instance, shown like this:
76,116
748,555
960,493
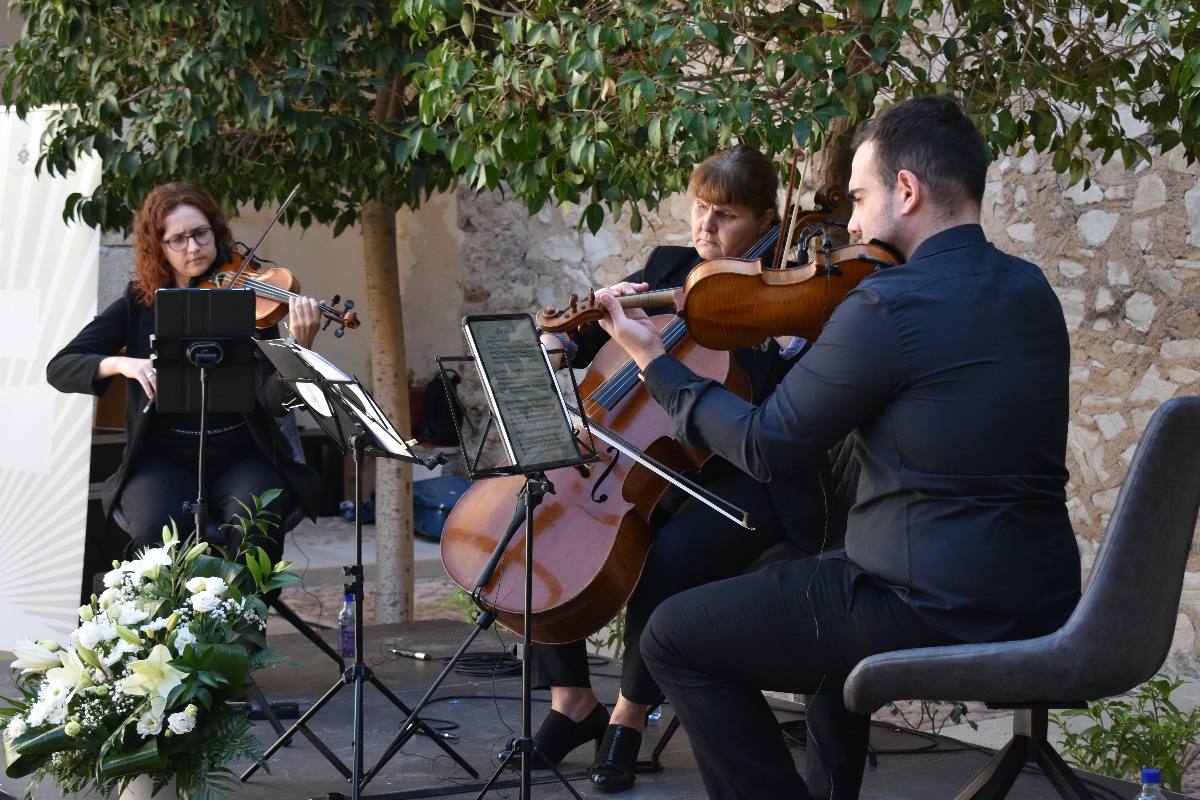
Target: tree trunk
389,373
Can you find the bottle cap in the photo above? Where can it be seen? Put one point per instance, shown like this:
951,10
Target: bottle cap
348,596
1151,776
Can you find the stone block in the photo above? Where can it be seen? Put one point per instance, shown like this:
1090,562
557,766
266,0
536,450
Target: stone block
1104,300
1107,500
1151,193
1111,425
1080,196
1180,348
1073,301
1118,273
1191,202
1183,376
1071,269
1153,388
1139,233
1139,311
1165,281
1097,225
1022,232
1088,451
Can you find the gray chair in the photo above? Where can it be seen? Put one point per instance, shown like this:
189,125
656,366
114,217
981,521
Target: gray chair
1117,637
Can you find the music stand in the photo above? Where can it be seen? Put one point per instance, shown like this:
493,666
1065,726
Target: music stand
204,360
530,416
348,414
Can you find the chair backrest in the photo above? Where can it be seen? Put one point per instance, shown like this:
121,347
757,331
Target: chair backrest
1120,633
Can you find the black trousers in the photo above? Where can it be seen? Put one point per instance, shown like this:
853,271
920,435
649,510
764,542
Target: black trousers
696,546
796,626
164,477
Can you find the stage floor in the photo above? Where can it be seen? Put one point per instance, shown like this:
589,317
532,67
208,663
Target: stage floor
483,711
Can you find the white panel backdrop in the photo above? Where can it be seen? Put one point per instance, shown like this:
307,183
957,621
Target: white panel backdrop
47,292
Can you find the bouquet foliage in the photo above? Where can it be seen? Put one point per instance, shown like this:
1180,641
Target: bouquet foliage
141,685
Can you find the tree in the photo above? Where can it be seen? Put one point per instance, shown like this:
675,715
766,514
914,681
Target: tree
373,105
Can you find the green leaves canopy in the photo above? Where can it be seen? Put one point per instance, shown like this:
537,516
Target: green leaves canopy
591,102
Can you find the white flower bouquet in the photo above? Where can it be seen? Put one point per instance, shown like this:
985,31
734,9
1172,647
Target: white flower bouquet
141,685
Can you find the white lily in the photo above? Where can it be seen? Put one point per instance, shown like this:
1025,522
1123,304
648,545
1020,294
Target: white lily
73,674
33,656
153,675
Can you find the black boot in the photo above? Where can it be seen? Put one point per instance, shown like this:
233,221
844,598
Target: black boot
616,764
558,735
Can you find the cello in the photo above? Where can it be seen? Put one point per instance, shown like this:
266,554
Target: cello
593,533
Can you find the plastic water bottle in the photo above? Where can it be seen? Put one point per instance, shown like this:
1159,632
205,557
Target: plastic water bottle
1151,785
346,626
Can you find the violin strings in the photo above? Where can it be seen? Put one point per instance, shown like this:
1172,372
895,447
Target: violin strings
275,293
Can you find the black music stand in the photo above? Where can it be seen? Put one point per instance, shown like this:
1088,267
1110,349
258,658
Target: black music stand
204,360
351,418
530,416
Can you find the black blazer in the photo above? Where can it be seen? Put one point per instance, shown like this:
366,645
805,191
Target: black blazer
126,323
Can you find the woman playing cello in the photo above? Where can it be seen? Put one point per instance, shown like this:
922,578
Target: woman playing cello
733,206
180,236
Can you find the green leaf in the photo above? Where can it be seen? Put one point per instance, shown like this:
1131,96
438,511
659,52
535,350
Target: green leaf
594,215
144,758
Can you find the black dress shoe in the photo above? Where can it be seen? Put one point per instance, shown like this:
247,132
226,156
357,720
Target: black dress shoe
616,764
558,735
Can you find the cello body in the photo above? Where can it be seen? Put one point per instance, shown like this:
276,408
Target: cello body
592,534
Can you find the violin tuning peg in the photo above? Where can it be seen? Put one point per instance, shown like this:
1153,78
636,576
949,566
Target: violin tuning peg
574,303
333,301
340,332
591,296
326,325
349,304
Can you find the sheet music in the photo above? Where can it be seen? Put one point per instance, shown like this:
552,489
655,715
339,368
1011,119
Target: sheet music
522,390
365,410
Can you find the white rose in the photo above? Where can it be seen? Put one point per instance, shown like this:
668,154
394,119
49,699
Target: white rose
196,585
216,585
181,723
130,614
150,724
86,613
205,601
184,637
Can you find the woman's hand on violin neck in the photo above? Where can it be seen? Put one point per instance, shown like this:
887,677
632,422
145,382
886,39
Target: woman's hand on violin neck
304,320
135,369
631,329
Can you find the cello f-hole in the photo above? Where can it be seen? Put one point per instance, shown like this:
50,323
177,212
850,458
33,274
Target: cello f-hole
611,451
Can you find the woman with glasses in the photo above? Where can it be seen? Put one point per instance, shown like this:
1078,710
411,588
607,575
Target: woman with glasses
180,234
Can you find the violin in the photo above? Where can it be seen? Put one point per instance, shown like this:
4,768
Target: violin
731,303
273,286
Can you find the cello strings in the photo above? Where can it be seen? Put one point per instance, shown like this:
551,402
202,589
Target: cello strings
623,379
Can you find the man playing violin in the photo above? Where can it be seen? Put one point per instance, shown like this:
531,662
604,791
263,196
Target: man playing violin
180,235
734,195
948,373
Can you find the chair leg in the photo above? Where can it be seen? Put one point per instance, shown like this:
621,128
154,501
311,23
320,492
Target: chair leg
1065,781
998,775
1028,746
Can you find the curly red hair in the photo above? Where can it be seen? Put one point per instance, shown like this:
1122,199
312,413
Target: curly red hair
151,269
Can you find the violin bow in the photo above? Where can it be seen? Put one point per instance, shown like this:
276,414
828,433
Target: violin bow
787,206
726,509
250,256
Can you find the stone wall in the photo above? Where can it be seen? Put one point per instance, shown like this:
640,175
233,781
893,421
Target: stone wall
1123,255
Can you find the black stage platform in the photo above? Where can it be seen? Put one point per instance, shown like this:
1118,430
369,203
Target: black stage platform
483,711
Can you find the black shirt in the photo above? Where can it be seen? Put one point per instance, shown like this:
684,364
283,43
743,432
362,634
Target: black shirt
950,375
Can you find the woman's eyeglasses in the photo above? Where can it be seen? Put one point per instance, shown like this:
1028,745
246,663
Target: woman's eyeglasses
178,242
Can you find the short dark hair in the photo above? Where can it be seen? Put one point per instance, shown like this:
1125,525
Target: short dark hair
739,176
933,138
